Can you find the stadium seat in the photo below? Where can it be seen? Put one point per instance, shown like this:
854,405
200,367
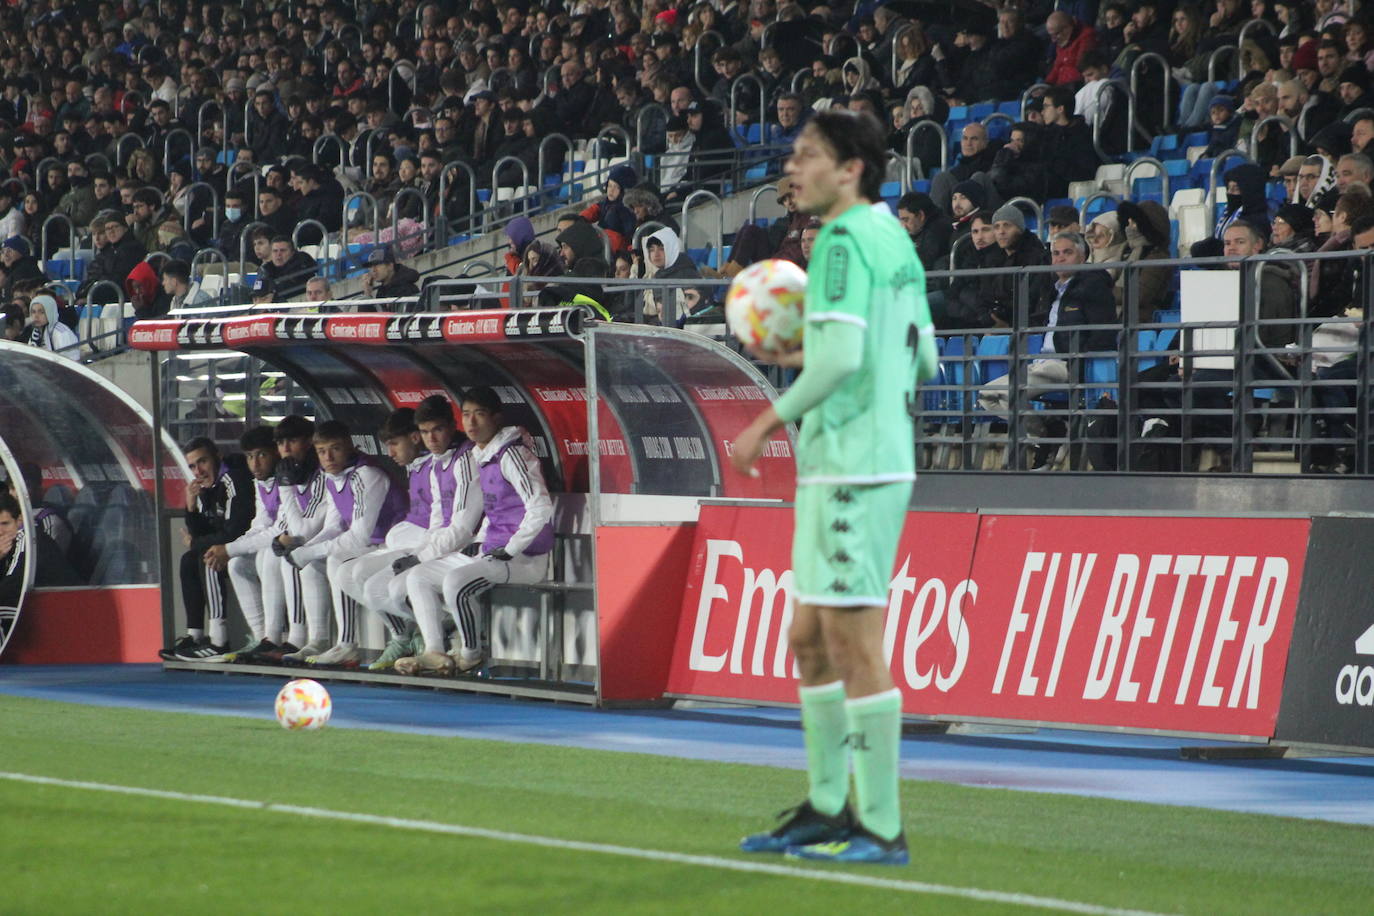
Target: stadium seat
1011,109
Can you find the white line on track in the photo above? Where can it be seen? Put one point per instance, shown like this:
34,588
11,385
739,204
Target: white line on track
653,855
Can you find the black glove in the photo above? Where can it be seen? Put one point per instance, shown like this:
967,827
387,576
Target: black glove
498,554
279,549
404,563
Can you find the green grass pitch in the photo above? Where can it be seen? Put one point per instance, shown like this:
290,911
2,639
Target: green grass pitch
70,850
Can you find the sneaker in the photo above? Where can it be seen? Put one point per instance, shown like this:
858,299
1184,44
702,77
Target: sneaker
398,648
249,652
425,663
860,847
343,654
209,652
184,644
274,655
301,655
804,825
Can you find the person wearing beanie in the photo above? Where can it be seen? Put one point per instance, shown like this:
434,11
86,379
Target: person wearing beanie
1353,88
1294,228
967,198
610,213
1225,128
1012,246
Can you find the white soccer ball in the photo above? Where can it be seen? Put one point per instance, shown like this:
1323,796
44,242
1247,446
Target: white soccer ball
764,305
303,704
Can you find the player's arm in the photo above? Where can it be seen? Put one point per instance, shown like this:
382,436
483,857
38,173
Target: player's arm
325,515
370,486
466,517
521,469
240,493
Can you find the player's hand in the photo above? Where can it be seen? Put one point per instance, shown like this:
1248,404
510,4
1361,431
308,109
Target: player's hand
185,538
498,554
404,563
7,541
217,558
192,494
749,445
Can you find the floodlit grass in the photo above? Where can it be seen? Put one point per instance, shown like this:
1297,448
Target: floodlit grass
70,850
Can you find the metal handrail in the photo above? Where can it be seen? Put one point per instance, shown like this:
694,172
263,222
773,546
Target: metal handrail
830,45
1216,55
214,207
928,124
396,214
319,144
206,255
1036,210
102,157
1213,174
639,121
998,116
119,146
763,102
324,235
1159,167
414,108
230,180
90,316
1245,30
754,201
247,121
720,216
372,136
223,119
801,74
1087,201
376,215
1099,117
441,224
1135,86
696,57
391,77
1353,116
954,248
896,38
167,146
610,130
1030,94
648,227
1289,128
71,240
524,180
566,166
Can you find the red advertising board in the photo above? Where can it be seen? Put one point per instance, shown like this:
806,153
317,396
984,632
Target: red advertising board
1175,624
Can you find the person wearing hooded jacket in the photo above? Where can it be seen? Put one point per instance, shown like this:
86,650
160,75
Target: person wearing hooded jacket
48,332
610,213
1018,169
579,240
1245,200
1146,228
664,259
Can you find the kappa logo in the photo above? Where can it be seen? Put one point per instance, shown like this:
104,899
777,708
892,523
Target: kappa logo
1355,683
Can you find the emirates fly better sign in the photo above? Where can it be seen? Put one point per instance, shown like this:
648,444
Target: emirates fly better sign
1177,624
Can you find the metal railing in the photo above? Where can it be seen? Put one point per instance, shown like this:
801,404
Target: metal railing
911,149
1159,61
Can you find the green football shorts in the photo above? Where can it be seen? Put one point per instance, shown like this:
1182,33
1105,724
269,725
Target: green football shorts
845,542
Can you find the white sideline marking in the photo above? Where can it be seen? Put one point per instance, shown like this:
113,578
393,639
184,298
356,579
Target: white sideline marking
654,855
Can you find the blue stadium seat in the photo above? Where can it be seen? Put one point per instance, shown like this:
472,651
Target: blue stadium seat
1176,168
1198,138
1100,374
981,110
922,185
957,113
1012,109
1148,189
891,189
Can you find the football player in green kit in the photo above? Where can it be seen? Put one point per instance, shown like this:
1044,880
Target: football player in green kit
868,340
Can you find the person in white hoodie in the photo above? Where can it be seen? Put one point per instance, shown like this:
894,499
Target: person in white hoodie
48,332
666,261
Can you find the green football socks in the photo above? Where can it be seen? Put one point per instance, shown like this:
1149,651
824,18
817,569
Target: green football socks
827,754
875,734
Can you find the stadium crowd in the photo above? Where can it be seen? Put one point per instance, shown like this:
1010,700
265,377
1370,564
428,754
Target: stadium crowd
157,131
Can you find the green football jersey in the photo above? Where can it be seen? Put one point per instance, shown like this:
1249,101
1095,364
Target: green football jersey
864,271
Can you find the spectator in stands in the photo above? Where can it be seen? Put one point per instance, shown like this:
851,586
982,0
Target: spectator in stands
1095,68
965,306
1073,298
1245,200
579,240
916,66
677,160
1294,229
1071,38
808,240
1225,126
1316,179
1063,218
272,211
386,279
665,260
287,268
322,200
145,294
1146,227
18,266
976,157
611,213
1148,34
974,63
47,331
1019,169
967,199
1331,287
1015,248
1278,284
232,224
13,323
1070,155
176,284
1353,88
1106,242
1353,168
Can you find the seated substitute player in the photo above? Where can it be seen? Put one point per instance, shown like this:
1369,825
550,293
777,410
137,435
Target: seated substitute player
219,508
16,544
361,506
253,569
51,521
301,486
442,481
519,536
868,339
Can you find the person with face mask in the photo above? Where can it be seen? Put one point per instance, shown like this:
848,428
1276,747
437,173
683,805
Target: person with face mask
231,225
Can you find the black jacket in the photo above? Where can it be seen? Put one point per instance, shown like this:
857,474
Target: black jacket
224,511
1087,299
404,282
999,290
1069,156
289,279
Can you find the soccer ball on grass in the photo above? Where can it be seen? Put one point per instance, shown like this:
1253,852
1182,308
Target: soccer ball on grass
303,704
764,305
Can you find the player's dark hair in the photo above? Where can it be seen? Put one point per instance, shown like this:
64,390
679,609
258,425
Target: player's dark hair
333,431
294,427
258,437
11,505
201,442
400,423
855,135
483,397
435,409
